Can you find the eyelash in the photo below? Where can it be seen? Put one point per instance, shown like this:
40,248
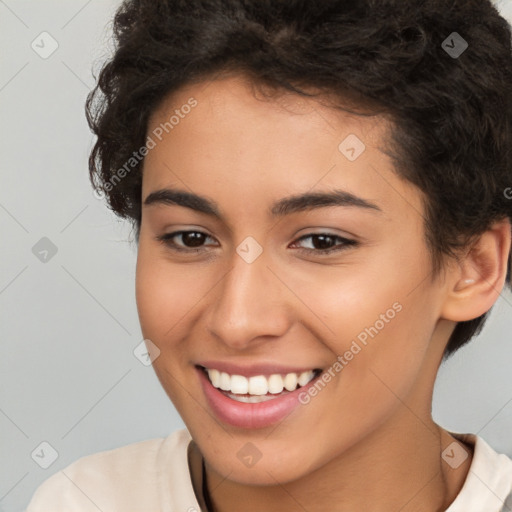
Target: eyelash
345,242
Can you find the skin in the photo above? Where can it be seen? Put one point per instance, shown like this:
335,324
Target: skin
367,441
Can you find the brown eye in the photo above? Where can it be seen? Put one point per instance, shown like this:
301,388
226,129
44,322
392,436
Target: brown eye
185,240
324,243
193,238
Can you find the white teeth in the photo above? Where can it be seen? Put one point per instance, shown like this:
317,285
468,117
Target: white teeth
239,384
249,399
290,381
304,378
224,381
275,384
214,377
258,385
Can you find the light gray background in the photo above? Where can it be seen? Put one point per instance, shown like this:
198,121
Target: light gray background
69,326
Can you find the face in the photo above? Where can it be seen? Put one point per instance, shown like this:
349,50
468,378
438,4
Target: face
270,244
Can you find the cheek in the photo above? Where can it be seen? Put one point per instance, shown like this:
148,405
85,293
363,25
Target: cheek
382,337
376,320
166,296
165,293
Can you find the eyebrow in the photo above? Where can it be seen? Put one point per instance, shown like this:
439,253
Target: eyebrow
292,204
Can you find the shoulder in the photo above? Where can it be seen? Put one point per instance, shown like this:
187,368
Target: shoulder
126,478
488,485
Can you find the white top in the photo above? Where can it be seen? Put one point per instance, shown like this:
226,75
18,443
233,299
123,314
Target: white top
154,476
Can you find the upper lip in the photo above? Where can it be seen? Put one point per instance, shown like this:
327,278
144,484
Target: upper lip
253,369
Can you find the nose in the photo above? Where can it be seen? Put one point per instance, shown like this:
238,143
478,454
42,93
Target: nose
249,305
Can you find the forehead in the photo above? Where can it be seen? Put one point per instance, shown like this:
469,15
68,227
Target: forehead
236,99
235,136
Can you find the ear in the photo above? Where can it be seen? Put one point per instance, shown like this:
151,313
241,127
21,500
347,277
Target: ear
477,279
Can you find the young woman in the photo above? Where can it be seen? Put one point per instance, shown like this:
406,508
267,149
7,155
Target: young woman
321,195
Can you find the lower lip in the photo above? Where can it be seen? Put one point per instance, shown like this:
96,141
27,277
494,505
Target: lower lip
244,415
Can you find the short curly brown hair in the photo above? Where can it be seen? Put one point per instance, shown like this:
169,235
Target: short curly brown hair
451,111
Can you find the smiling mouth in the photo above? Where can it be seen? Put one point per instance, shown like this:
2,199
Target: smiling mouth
258,388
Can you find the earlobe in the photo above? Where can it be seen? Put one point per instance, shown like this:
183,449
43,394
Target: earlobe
478,278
